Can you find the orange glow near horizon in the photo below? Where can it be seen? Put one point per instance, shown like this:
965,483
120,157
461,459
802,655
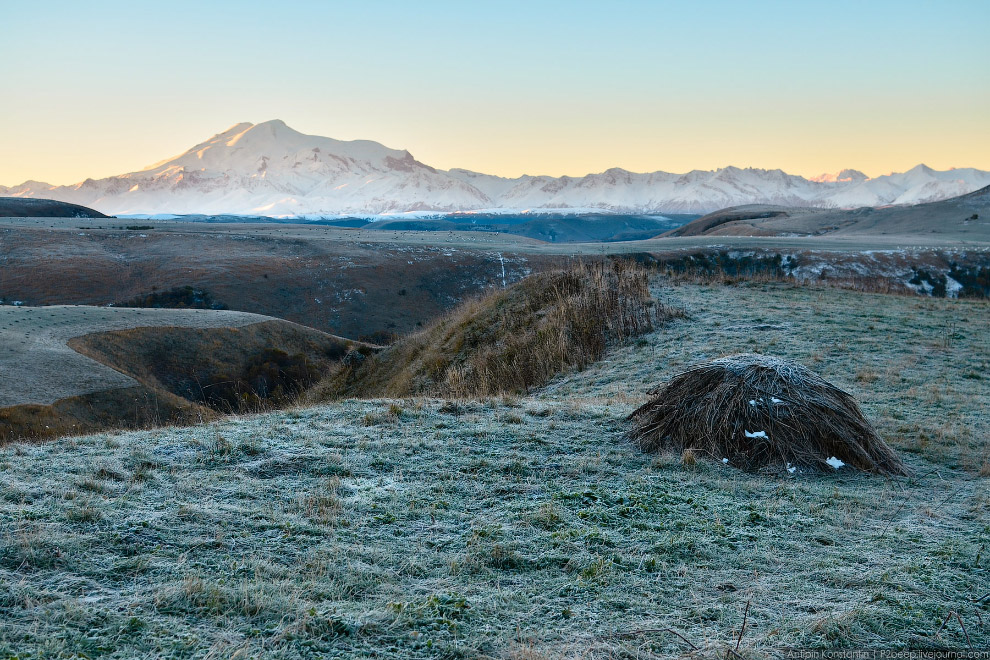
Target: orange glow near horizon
644,86
69,160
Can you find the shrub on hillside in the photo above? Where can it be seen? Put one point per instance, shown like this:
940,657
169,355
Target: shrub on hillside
726,265
975,280
272,376
934,283
182,297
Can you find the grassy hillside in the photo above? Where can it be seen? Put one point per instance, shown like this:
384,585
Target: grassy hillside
511,340
134,407
39,367
338,281
526,527
228,369
375,284
71,369
963,218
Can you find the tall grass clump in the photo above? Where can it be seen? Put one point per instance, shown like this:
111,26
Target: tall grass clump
511,340
755,411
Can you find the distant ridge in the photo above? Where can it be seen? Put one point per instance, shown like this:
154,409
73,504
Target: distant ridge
982,192
963,217
271,169
27,207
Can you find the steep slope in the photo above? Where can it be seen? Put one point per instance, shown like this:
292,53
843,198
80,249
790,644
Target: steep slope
840,177
271,169
513,339
659,192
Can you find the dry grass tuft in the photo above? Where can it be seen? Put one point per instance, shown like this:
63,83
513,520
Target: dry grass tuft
758,410
511,340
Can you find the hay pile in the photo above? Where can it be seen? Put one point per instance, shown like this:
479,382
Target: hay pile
758,411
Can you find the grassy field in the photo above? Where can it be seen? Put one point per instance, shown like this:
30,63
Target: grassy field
525,528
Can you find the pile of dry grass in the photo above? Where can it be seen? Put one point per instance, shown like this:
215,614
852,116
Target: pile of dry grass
511,340
758,411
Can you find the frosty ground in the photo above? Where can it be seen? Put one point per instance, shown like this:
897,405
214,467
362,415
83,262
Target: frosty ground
525,527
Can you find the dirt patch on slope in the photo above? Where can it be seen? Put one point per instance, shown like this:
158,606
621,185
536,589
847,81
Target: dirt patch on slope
961,218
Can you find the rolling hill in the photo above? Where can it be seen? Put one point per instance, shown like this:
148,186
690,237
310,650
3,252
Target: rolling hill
966,217
76,369
30,207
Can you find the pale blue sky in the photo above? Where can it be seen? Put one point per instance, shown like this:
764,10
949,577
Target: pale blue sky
100,88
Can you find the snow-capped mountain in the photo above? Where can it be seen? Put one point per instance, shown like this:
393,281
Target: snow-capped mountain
845,176
271,169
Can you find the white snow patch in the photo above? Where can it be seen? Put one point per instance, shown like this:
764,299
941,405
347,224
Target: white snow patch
756,434
835,463
952,287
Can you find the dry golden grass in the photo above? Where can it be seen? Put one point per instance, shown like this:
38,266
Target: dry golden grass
512,340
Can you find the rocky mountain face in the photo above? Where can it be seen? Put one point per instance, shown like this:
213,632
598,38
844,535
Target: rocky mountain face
271,169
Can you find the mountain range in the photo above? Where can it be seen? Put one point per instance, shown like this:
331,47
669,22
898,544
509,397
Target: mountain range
271,169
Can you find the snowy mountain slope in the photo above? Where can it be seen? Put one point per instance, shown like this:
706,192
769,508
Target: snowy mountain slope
271,169
845,176
918,185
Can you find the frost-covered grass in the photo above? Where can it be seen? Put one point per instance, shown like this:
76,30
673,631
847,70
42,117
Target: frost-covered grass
523,528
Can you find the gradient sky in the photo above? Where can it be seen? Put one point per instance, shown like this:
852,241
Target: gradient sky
100,88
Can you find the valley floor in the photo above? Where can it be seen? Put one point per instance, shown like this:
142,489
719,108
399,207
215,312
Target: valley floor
526,527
